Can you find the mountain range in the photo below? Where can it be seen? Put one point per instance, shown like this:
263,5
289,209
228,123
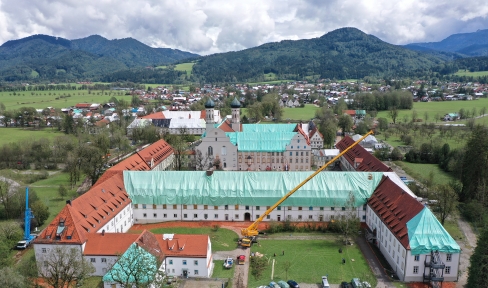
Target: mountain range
341,54
44,57
464,44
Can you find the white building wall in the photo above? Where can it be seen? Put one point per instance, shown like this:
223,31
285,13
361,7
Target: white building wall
43,251
102,263
148,213
196,267
166,164
216,139
121,222
401,259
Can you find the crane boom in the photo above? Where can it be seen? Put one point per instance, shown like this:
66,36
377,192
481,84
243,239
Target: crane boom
252,230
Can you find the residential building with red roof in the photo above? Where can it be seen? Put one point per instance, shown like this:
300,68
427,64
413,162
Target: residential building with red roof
187,255
358,158
410,237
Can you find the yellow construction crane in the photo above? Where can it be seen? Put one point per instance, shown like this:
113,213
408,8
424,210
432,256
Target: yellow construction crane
251,232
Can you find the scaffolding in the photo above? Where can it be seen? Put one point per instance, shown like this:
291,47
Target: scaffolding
434,269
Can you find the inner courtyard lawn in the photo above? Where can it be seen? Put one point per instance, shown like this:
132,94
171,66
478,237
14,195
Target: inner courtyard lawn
310,260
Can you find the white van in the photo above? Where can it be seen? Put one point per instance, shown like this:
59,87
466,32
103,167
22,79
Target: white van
325,282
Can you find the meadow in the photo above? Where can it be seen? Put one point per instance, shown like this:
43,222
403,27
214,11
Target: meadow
438,108
463,72
310,260
187,67
18,135
43,99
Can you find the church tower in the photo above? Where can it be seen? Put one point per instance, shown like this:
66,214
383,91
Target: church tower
236,115
209,114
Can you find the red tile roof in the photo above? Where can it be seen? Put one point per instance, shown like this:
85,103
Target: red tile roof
183,245
157,115
369,163
395,208
83,105
226,126
110,244
71,234
158,151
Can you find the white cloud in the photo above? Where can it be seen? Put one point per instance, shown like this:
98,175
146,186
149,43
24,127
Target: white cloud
210,26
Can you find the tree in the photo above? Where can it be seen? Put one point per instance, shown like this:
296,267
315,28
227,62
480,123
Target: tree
396,154
286,267
426,116
201,162
91,161
361,128
62,191
258,264
446,201
482,111
9,277
347,221
136,267
345,123
393,113
478,268
382,124
64,267
40,211
475,166
179,147
328,129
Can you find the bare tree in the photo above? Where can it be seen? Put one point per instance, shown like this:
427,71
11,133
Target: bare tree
64,267
201,162
347,221
447,200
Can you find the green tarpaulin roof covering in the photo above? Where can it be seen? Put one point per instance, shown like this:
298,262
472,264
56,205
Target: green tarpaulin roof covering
426,234
268,128
327,189
261,142
123,270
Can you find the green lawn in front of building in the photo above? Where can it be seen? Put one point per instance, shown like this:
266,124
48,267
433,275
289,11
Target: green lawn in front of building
310,260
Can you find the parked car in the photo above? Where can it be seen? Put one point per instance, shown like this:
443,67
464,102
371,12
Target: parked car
346,285
292,284
325,282
283,284
273,284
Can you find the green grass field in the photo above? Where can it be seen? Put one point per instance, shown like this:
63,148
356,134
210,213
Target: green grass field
454,142
47,191
438,108
43,99
305,114
221,272
311,259
421,171
222,239
462,72
10,135
185,67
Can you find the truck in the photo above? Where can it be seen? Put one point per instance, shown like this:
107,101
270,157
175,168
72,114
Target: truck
28,237
241,259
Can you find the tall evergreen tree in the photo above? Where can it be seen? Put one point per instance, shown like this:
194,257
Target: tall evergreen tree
475,166
479,262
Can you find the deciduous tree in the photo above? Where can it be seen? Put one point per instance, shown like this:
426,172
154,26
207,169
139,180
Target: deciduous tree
446,201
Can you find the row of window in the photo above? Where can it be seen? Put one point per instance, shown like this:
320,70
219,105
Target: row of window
236,216
447,270
184,262
236,207
94,260
195,272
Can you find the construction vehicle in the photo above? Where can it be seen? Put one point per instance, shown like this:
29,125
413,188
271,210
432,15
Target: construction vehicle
250,233
228,263
241,259
28,237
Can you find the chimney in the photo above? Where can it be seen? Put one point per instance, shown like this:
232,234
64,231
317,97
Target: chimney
68,202
103,232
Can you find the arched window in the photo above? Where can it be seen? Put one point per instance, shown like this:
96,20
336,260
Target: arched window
210,150
224,150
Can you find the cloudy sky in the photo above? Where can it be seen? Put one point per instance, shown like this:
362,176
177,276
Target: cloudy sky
210,26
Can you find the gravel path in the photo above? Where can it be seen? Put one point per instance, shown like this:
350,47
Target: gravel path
467,248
